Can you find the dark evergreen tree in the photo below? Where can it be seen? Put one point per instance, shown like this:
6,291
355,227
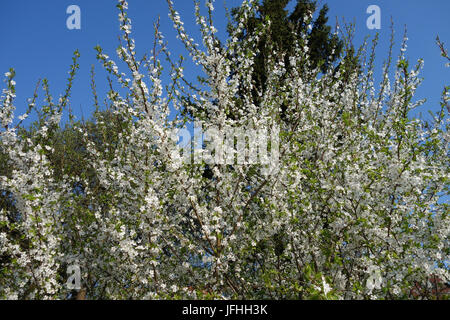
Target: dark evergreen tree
326,48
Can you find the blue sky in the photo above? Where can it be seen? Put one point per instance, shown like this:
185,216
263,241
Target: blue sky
37,43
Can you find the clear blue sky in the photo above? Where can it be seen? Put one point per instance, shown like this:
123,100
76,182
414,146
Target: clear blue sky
37,43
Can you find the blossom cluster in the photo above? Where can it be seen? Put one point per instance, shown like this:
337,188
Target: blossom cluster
353,211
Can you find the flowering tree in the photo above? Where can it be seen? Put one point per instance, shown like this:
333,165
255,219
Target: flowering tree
351,209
